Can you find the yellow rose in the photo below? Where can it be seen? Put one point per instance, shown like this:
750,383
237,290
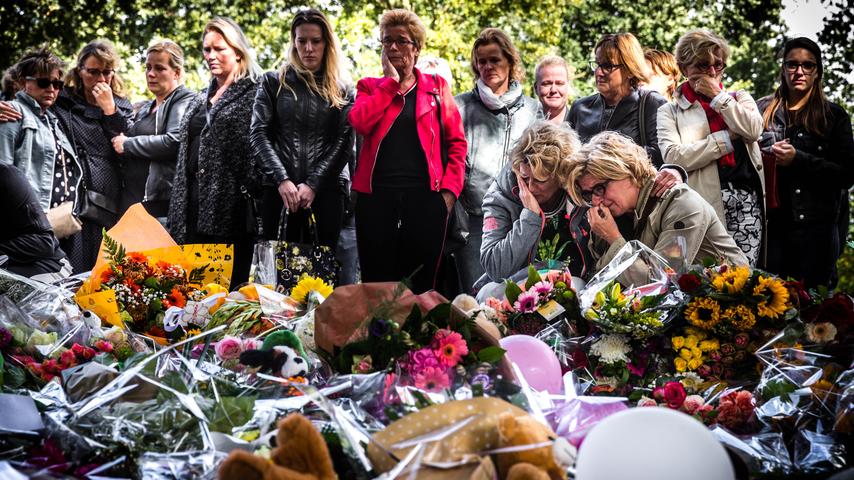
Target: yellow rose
707,345
680,364
691,341
696,352
678,342
685,354
694,363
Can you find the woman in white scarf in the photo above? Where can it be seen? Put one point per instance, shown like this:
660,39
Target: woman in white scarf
495,113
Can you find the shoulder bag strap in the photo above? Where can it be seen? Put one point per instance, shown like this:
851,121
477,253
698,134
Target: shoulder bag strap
642,116
442,145
651,202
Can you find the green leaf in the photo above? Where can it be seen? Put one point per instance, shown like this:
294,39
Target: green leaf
533,277
14,376
512,291
113,251
491,354
231,412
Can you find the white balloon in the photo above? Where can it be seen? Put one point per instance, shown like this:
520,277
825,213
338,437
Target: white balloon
652,443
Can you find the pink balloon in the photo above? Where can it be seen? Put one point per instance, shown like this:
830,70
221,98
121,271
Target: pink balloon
536,360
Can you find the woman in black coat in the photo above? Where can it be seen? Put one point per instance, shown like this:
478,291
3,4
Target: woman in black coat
300,134
215,162
809,169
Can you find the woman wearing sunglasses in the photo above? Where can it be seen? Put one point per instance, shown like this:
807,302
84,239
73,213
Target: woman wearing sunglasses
813,164
612,176
713,134
620,105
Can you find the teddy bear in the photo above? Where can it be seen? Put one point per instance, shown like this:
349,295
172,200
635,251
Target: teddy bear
546,463
300,454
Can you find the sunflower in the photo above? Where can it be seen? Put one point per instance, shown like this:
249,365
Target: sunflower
741,317
732,280
774,295
703,312
308,284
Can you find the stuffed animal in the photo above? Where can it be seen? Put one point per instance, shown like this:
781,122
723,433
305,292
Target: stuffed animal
545,463
300,454
281,353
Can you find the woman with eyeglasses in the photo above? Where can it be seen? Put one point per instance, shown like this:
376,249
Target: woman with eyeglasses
494,113
149,149
812,164
215,160
612,175
300,133
620,105
411,164
713,134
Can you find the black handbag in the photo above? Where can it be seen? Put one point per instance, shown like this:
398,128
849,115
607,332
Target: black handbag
89,204
294,259
456,232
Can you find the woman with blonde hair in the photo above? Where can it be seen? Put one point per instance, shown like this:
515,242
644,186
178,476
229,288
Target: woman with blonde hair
300,134
611,174
215,170
713,134
92,109
494,113
149,149
620,104
664,72
412,161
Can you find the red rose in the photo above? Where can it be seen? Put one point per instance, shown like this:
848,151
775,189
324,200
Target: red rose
89,353
77,349
658,393
689,282
674,394
838,310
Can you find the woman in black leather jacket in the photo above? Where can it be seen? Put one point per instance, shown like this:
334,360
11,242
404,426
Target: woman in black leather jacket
300,135
149,150
619,68
811,168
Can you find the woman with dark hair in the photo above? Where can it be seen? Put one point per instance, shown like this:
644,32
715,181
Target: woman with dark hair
406,188
92,109
300,134
149,150
620,105
215,162
494,113
812,163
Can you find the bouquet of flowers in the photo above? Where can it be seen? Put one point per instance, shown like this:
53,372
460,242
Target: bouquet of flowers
632,313
539,301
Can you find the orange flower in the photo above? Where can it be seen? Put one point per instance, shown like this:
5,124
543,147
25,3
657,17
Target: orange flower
178,298
136,257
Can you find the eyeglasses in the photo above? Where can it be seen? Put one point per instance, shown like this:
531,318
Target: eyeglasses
107,72
400,42
704,66
607,68
792,66
46,82
598,190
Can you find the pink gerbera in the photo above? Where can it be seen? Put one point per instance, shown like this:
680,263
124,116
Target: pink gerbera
432,379
542,288
527,302
449,347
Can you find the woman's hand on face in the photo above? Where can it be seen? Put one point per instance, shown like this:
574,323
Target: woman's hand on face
306,195
104,97
8,113
666,179
290,195
388,69
705,85
525,195
603,224
119,143
784,152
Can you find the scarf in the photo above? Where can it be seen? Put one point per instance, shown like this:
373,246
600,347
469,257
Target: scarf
716,121
493,101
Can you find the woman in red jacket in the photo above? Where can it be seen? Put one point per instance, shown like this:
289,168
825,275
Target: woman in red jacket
412,164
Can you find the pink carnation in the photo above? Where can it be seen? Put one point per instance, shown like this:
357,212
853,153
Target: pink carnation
432,379
647,402
228,348
420,360
692,404
449,347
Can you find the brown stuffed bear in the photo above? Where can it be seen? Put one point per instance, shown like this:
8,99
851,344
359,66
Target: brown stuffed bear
544,463
300,454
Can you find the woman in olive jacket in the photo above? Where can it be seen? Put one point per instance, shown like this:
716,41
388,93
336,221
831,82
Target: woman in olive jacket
812,167
300,135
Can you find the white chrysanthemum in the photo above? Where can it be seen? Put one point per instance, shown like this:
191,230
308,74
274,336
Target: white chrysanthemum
611,348
691,381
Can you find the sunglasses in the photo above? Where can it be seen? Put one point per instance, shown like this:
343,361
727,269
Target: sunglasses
607,68
46,82
598,190
107,72
792,66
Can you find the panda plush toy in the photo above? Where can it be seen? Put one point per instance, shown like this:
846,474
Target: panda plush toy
281,354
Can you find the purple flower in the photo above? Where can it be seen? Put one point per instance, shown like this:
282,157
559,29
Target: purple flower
527,302
483,380
196,352
5,338
421,359
379,328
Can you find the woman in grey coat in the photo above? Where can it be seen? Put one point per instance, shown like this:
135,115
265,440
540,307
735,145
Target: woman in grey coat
215,161
495,113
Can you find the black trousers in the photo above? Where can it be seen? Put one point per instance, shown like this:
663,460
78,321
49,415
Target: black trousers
328,208
805,252
399,231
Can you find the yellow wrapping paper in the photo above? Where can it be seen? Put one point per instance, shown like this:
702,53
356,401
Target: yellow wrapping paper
137,231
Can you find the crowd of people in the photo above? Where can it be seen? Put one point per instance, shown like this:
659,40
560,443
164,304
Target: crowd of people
452,192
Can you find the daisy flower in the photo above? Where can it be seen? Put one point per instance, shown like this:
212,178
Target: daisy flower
432,379
450,347
527,302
